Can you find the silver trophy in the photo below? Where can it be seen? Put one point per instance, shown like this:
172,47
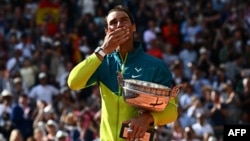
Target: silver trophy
146,96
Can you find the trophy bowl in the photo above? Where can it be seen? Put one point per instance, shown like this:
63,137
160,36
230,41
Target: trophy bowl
147,95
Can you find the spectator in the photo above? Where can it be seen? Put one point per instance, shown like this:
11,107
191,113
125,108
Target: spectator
232,100
62,136
68,101
199,81
187,55
93,35
28,72
94,100
14,62
189,134
45,113
155,49
63,79
233,67
6,125
198,106
170,33
87,7
247,53
57,61
44,91
211,17
84,47
4,23
39,134
39,113
202,128
150,34
244,95
43,67
190,28
142,16
18,88
226,51
22,116
70,126
51,129
168,54
16,135
204,62
178,72
177,130
220,78
218,113
163,133
186,99
26,46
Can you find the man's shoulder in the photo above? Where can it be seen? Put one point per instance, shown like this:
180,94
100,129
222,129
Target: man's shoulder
16,106
156,61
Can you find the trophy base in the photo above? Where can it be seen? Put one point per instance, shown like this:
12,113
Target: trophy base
148,136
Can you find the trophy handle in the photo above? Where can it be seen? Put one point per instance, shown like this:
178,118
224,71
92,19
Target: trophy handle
175,90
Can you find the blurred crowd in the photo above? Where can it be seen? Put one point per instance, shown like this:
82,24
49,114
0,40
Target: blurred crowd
205,43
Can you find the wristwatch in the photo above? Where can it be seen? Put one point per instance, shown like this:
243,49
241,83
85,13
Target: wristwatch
100,51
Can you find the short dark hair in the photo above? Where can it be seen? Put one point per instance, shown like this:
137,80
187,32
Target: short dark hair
123,9
23,95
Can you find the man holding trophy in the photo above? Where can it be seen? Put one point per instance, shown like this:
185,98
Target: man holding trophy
119,52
